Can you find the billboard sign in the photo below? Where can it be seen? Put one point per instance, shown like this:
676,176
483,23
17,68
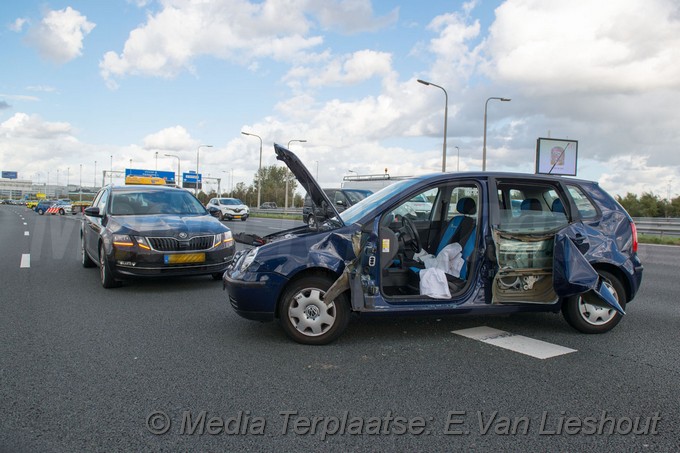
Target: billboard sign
556,156
139,176
9,174
189,180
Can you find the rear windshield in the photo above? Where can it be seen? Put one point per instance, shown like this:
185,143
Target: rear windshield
155,202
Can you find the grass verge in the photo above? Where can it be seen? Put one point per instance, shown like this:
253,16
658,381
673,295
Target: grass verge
655,239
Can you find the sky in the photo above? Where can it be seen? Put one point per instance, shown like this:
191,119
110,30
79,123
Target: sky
124,82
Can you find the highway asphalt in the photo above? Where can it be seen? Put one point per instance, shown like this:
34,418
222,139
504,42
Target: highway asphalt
166,365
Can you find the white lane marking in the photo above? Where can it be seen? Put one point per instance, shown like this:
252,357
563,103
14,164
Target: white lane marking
25,260
518,343
25,223
26,233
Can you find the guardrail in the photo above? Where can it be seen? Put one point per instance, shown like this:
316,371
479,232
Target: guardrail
277,211
660,226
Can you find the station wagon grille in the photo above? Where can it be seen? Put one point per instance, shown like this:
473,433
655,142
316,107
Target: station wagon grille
177,245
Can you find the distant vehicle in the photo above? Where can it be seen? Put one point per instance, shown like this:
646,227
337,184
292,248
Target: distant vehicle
268,205
146,231
341,199
228,209
572,248
60,207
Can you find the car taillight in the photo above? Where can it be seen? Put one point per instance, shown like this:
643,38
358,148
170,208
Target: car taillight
635,237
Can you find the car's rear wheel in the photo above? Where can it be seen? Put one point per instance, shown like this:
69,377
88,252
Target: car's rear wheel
41,212
306,317
86,260
61,211
105,270
589,318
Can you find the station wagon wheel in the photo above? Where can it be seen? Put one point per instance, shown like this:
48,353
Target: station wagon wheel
86,260
105,270
306,317
589,318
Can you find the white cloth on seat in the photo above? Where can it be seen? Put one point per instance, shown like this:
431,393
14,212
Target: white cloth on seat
433,281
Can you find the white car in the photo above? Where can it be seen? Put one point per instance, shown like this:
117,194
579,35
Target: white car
228,208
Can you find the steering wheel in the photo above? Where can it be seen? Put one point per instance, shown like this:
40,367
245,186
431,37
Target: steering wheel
413,239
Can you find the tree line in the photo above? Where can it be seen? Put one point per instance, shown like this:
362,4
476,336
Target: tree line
273,189
649,205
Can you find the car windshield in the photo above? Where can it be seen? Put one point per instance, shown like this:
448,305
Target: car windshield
230,201
355,212
155,202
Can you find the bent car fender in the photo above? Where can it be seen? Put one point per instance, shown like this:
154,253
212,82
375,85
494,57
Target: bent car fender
572,273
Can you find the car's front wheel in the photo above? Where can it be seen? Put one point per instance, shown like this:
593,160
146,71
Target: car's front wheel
105,270
86,260
61,211
41,212
588,318
243,219
307,318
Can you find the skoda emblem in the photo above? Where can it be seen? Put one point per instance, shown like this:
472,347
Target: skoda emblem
183,235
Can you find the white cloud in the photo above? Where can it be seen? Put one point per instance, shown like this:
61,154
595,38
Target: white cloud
350,16
18,24
59,36
22,125
343,70
175,138
585,46
234,30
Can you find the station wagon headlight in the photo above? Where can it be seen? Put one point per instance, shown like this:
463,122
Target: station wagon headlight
224,238
142,242
122,240
249,258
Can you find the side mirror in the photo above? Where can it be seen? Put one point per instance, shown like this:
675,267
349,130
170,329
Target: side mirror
92,211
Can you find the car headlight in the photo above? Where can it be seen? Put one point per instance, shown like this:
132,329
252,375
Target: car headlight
122,240
248,259
142,242
224,238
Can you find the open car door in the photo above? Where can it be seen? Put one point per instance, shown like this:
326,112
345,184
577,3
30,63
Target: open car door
572,273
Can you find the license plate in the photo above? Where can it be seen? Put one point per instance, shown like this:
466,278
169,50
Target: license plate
237,216
185,258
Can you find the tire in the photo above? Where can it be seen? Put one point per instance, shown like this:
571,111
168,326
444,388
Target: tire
587,318
41,212
105,270
306,318
85,258
61,212
223,216
243,219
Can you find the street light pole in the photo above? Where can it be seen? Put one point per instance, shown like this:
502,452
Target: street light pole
80,184
179,175
446,116
285,203
94,180
458,163
486,105
156,160
197,150
259,169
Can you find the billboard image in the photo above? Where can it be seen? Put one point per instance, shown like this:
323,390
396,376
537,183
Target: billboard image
138,176
556,156
9,174
189,180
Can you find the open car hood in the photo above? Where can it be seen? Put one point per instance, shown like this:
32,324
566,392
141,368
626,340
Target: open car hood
305,178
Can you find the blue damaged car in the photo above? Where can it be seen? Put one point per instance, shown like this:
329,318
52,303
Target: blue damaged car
491,243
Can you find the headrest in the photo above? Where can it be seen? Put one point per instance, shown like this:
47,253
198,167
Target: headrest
466,206
531,204
557,206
